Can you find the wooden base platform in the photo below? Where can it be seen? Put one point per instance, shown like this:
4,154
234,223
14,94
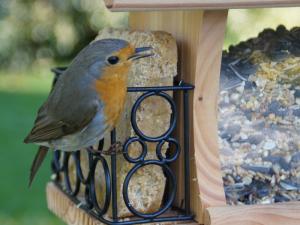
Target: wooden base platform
274,214
66,210
287,213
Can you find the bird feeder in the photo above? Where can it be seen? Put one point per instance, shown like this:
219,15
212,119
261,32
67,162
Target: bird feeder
199,28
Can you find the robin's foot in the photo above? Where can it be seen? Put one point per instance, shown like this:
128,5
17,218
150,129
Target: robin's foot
94,151
114,149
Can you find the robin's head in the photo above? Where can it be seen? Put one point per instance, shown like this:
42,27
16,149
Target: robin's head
121,52
110,56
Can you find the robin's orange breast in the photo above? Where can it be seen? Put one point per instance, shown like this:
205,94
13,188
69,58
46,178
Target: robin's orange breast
112,90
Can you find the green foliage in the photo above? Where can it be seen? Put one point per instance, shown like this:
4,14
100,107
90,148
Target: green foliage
247,23
39,30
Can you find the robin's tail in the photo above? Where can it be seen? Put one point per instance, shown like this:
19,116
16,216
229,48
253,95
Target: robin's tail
37,162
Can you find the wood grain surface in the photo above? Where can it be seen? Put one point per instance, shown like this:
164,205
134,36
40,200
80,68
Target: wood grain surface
274,214
142,5
65,209
205,103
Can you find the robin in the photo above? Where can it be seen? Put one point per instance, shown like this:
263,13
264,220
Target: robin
87,99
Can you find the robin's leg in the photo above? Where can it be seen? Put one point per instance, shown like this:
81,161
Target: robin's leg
94,151
97,150
114,149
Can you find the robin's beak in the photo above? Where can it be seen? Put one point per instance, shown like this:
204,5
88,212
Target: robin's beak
141,53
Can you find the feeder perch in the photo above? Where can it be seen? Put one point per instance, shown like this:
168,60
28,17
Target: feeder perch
199,28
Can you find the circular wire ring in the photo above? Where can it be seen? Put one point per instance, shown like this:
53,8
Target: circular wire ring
92,189
67,177
101,144
171,194
174,156
143,154
55,164
76,156
172,121
88,198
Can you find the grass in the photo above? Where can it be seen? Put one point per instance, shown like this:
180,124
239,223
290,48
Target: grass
20,97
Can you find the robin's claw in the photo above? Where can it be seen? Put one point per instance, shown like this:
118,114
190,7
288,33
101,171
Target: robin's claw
114,149
94,151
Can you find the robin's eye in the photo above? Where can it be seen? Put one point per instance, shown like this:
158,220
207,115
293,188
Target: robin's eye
113,60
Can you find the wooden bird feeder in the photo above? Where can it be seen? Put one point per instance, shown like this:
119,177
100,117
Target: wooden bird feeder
199,28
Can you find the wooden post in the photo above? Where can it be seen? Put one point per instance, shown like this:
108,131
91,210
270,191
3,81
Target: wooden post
200,40
184,26
205,104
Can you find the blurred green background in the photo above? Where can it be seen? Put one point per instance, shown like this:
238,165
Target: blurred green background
36,35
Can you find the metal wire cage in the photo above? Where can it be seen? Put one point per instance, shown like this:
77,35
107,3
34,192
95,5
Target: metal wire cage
90,202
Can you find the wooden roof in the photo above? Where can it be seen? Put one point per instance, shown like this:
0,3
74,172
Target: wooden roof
141,5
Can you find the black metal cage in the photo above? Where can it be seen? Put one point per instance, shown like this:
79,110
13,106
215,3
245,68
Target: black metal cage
90,203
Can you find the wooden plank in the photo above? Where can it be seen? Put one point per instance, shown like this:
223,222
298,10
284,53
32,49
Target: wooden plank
205,104
66,210
200,40
142,5
274,214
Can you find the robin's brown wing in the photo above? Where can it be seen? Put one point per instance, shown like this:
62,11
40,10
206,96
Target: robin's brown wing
37,162
50,127
73,102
